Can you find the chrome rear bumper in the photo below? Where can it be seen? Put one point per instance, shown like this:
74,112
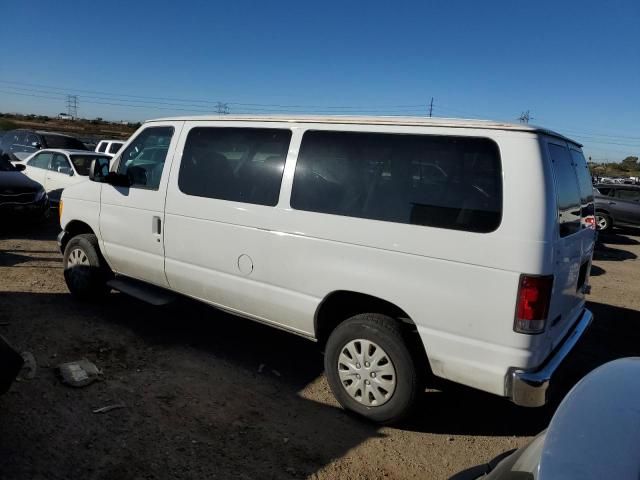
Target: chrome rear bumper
528,388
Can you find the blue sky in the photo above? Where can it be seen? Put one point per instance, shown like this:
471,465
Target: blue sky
574,65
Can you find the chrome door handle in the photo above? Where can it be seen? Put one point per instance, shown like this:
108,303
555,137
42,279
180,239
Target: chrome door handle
612,203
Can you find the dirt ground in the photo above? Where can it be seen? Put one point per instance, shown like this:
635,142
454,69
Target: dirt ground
209,395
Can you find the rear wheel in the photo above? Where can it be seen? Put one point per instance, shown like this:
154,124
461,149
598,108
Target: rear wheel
370,368
603,222
85,271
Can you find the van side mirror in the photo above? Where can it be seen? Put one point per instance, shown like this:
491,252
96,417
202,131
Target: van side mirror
99,172
20,167
99,169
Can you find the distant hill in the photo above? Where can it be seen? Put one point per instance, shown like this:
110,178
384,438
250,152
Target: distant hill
81,128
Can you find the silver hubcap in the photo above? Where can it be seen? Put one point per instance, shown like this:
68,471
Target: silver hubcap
366,372
78,257
601,222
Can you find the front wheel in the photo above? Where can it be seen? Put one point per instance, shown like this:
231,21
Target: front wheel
85,271
370,369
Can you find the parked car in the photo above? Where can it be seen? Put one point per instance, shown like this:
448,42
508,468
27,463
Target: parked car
58,169
20,197
17,145
617,205
406,247
110,147
593,434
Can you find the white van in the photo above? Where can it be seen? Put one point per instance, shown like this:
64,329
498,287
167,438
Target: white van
109,147
406,247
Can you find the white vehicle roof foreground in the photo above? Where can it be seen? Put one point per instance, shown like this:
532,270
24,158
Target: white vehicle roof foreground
376,120
593,434
596,430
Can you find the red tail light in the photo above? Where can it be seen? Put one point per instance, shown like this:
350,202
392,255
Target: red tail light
590,222
532,307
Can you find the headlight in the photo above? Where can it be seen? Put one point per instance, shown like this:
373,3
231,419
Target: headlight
40,195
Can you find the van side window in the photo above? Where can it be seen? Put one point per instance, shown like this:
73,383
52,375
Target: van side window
585,183
567,190
114,147
101,147
438,181
143,160
235,164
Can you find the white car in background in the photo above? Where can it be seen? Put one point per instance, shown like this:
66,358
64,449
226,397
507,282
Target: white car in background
56,169
110,147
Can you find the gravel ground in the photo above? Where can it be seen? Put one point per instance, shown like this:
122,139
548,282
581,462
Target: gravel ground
209,395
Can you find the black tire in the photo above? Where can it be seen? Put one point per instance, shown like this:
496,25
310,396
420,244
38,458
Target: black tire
603,222
386,333
86,282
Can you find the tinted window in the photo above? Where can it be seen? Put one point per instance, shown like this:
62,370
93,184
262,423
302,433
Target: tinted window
82,163
628,194
114,147
102,147
143,160
445,182
60,164
61,141
236,164
604,191
567,190
585,183
32,140
41,160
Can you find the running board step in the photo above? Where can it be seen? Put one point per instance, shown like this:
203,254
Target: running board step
142,291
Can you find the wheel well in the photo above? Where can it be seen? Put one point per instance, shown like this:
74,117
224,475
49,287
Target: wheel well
73,228
341,305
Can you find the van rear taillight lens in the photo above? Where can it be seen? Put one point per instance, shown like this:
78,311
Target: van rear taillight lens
532,306
590,222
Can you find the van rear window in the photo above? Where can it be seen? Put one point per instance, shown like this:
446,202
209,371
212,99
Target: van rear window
585,183
567,190
438,181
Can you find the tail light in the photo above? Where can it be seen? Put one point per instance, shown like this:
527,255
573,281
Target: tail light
60,206
590,222
532,306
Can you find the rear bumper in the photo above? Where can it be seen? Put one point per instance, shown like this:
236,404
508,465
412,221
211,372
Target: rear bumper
528,388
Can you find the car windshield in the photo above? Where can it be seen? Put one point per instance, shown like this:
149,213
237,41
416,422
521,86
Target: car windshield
5,165
82,163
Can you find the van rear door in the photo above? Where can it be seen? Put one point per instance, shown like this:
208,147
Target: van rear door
574,238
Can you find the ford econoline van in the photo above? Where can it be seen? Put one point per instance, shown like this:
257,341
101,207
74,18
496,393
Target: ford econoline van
406,247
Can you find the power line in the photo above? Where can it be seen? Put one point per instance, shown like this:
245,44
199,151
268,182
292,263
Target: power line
210,102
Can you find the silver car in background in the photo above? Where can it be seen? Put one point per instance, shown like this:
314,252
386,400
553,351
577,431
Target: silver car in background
594,433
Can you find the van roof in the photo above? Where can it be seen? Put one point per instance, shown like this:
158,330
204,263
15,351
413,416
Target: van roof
377,120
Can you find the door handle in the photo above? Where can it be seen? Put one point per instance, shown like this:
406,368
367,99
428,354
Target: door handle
612,203
156,225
